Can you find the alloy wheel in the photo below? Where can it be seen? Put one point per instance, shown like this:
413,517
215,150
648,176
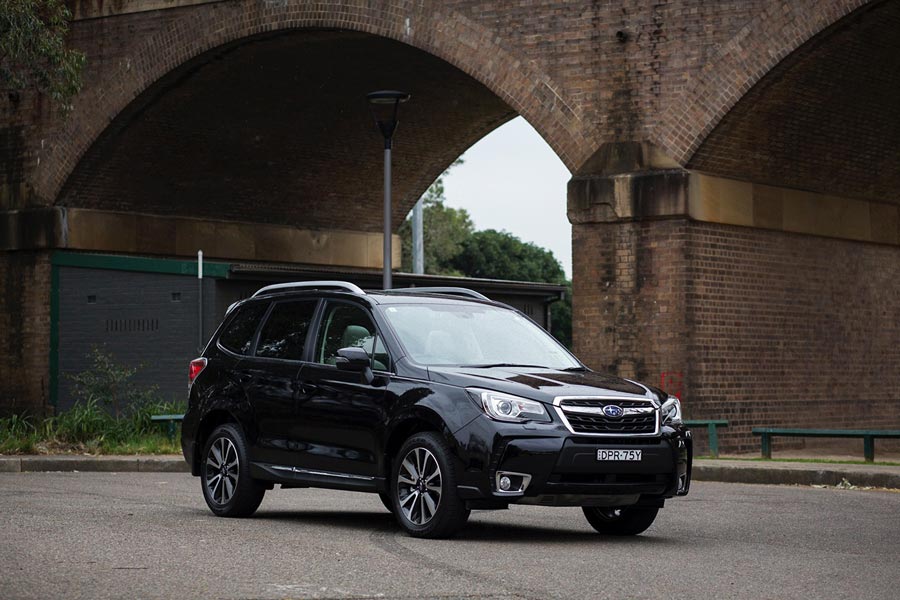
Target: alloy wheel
222,466
419,486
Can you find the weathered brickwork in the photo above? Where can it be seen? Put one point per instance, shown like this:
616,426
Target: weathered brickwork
25,327
252,111
587,76
761,328
302,151
848,80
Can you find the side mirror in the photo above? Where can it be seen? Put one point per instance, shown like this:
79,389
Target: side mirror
357,360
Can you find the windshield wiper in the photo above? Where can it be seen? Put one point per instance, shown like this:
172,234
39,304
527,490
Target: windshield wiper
576,369
491,365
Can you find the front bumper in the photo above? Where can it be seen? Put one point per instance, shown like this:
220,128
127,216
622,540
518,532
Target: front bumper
563,469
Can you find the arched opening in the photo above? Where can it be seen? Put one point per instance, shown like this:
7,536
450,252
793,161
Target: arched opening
260,151
793,313
275,129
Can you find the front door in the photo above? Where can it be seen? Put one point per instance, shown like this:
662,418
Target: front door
340,417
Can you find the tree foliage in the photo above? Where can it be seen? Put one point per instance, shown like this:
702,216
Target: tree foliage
453,247
33,51
501,255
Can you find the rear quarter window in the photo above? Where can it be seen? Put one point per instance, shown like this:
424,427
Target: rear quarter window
238,335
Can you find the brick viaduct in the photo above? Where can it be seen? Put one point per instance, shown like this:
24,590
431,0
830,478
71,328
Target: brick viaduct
735,171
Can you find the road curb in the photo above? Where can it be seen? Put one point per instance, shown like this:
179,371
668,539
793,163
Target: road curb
105,464
805,474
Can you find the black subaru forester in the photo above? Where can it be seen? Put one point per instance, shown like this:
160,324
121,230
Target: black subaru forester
437,399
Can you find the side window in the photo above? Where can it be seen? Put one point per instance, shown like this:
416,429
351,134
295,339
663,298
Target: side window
238,336
345,326
284,334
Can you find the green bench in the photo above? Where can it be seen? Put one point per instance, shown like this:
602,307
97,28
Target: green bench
868,437
711,428
171,422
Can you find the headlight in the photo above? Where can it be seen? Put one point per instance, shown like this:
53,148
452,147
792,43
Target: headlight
671,411
506,407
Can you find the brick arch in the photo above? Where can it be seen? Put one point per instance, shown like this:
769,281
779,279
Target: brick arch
423,24
762,43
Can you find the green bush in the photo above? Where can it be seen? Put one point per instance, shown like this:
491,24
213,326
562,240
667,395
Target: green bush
18,433
89,425
110,383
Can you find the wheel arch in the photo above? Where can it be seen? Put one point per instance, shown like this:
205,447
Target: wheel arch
207,425
416,421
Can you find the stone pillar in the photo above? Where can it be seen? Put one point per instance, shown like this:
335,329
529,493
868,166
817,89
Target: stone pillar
764,306
25,277
629,274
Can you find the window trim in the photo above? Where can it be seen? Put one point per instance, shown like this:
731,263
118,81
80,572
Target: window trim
253,339
320,318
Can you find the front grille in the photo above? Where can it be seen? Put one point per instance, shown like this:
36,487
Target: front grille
640,424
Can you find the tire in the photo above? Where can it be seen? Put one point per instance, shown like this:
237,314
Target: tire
423,493
217,476
386,500
626,520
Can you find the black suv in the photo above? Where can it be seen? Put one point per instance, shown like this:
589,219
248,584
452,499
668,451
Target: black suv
437,399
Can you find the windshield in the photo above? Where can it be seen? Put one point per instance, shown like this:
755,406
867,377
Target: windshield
474,335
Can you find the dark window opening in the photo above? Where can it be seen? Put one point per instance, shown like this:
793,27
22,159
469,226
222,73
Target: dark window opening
238,336
284,334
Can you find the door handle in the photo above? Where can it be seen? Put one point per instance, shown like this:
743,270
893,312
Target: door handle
304,388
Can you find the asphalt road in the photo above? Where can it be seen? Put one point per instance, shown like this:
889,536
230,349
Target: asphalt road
149,535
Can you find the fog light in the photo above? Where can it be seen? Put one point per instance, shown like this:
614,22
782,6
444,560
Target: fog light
512,483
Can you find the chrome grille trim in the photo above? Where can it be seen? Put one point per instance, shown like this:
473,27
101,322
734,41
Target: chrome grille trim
645,406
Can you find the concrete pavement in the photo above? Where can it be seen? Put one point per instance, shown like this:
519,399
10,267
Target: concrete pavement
150,535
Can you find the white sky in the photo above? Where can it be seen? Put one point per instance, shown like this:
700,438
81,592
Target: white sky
511,180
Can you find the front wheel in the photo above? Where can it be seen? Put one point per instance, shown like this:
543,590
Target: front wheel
228,489
620,520
423,489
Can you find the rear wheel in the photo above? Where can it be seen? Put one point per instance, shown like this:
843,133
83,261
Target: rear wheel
228,489
620,520
423,490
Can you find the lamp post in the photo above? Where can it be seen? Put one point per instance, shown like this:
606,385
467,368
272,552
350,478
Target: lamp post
385,105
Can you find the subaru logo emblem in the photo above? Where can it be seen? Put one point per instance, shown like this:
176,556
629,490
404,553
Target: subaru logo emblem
612,411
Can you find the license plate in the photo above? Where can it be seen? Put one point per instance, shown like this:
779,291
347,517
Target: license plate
633,455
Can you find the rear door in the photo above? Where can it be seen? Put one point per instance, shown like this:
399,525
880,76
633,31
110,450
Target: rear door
270,377
340,417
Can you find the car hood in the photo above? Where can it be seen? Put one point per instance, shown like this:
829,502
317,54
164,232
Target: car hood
542,384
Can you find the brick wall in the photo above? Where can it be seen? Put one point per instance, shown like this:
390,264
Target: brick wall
587,76
762,328
825,119
300,149
25,327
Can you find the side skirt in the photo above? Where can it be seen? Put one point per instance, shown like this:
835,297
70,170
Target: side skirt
298,477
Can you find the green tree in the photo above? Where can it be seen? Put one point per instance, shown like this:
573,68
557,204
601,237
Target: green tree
33,51
445,230
501,255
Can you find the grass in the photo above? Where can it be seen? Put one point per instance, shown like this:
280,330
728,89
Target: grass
89,428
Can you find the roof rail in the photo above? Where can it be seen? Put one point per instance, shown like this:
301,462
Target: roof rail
456,291
310,285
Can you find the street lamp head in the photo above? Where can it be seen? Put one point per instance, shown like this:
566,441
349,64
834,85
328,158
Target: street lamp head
385,105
